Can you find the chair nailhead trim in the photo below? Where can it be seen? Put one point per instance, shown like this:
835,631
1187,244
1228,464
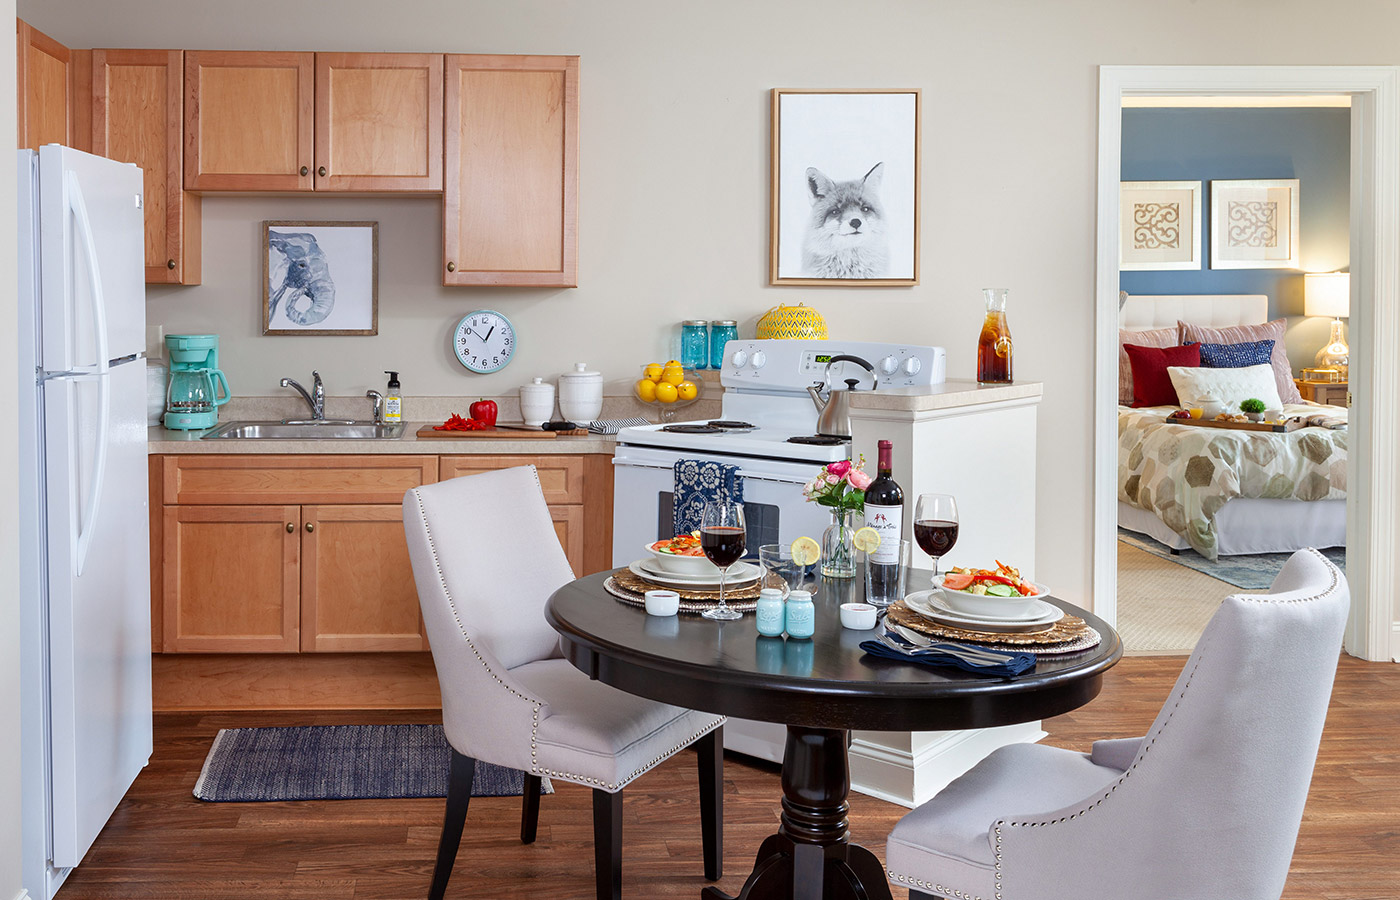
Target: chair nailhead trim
536,705
932,886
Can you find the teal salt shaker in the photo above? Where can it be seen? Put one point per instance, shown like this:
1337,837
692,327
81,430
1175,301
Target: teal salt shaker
801,619
770,612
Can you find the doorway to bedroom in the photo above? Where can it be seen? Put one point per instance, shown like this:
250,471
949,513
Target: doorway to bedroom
1225,204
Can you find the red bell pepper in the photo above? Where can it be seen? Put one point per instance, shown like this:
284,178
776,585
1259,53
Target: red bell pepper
484,411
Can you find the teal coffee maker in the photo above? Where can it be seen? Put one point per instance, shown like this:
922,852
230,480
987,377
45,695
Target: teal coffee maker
191,401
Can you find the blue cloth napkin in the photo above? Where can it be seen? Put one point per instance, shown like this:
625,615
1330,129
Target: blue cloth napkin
698,482
1014,664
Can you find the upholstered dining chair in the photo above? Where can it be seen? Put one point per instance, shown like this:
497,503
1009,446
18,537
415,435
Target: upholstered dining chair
1206,806
485,559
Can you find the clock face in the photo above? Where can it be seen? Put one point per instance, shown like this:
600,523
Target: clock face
484,341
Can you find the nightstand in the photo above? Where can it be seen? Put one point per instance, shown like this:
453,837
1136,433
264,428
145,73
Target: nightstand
1331,393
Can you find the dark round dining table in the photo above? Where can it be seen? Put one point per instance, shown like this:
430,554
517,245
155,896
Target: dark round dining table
821,689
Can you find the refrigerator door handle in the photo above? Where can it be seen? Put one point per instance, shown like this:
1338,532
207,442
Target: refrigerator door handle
99,323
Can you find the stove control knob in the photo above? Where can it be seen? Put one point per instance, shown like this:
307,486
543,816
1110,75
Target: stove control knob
760,359
888,365
739,358
912,366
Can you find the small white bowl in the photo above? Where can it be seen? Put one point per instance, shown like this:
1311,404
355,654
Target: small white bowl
988,605
857,616
683,565
662,603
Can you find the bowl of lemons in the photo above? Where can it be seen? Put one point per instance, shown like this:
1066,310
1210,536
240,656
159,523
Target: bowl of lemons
668,386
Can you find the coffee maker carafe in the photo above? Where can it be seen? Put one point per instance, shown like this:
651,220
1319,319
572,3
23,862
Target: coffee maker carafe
191,400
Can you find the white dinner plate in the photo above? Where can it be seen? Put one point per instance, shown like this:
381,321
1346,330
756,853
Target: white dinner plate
932,606
740,573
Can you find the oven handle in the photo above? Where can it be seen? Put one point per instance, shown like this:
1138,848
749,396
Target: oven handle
743,473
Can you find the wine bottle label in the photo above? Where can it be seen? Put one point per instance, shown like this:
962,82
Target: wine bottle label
889,522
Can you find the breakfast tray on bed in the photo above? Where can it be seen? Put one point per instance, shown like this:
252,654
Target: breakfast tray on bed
1276,427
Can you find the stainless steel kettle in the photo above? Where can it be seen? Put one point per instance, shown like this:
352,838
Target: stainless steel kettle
835,408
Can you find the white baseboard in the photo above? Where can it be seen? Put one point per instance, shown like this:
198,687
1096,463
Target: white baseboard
1395,642
22,895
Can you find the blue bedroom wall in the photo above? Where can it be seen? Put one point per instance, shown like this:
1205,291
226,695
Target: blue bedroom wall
1312,145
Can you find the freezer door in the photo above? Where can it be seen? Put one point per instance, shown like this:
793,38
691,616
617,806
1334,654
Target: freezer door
91,259
98,574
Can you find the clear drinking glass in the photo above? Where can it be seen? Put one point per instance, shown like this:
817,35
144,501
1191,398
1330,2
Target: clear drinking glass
779,570
722,541
936,525
884,591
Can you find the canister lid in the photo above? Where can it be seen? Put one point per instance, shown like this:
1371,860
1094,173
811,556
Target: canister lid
725,323
581,373
701,322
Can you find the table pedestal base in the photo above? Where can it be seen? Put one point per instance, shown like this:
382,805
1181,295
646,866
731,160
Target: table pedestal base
811,857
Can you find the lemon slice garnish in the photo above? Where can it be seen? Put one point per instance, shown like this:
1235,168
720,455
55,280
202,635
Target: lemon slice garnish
866,540
806,551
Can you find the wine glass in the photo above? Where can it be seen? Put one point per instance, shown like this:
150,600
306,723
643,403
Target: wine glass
936,525
722,541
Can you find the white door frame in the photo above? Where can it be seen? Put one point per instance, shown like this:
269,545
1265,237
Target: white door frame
1373,463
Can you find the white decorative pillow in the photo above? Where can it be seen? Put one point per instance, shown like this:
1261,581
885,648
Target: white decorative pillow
1229,386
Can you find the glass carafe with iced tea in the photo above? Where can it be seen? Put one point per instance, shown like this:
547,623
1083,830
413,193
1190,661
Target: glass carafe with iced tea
994,344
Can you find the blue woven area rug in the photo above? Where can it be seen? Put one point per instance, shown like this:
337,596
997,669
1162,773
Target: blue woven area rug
1254,572
341,762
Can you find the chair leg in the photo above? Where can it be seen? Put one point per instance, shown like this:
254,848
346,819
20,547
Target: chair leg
459,795
607,843
709,756
530,810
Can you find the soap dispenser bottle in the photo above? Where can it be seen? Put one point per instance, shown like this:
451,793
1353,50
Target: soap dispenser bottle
393,400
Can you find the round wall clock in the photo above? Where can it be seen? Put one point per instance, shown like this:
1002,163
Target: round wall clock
484,341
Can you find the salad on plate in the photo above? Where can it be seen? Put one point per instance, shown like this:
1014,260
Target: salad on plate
680,545
1003,581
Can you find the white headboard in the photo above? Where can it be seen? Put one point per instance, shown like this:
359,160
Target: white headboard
1139,312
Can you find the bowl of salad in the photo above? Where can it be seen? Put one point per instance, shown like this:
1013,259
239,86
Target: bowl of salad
681,555
990,592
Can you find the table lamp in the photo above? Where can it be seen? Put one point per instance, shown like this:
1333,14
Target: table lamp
1329,294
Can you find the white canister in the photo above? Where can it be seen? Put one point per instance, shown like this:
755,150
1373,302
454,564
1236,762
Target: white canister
536,402
581,394
156,382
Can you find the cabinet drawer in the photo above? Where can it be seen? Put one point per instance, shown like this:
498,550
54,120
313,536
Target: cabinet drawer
561,477
293,479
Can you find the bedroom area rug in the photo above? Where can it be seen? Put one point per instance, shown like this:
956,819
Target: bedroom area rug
1162,607
340,762
1253,572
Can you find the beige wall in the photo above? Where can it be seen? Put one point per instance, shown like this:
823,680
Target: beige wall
673,215
9,498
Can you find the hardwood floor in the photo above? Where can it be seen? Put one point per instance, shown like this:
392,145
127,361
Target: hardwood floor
163,843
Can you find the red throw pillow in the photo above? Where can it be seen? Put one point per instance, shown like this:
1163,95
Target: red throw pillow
1151,384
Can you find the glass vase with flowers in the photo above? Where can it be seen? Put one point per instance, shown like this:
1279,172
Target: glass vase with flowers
840,486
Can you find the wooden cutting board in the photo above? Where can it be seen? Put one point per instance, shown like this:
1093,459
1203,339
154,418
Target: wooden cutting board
427,432
1276,427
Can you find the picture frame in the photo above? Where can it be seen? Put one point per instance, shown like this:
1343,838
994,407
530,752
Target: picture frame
1159,225
1254,224
320,278
844,187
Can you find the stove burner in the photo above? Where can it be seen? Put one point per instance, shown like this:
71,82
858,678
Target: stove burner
821,440
731,425
691,429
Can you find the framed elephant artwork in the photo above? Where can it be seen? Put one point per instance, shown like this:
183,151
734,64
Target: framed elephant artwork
320,278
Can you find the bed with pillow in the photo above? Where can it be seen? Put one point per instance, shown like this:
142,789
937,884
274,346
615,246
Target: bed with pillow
1221,491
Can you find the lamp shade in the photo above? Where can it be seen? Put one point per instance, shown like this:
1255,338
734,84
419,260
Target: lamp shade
1327,295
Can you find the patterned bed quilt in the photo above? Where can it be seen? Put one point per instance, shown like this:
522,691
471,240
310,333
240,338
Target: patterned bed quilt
1184,474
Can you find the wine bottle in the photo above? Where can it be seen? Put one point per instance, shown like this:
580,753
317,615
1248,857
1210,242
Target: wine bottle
884,512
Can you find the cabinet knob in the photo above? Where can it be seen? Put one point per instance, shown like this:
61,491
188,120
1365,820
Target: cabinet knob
304,170
310,527
321,171
451,267
290,528
170,263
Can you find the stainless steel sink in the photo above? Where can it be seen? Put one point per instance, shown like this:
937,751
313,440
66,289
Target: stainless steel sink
325,430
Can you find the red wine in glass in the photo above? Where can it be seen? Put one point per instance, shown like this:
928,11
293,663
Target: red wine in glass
722,541
936,525
723,545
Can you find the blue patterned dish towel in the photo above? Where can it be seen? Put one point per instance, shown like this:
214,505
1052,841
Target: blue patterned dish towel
698,481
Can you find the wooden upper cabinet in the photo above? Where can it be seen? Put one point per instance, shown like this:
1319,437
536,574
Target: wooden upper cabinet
248,120
45,83
378,122
510,137
137,98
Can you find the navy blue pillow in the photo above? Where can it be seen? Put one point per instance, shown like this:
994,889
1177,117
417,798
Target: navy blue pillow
1234,356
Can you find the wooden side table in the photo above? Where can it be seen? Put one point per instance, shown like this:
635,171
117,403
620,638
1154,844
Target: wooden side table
1331,393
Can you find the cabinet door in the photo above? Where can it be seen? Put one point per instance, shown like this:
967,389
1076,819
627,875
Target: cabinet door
561,477
248,120
378,122
357,590
510,138
568,524
137,98
230,579
44,84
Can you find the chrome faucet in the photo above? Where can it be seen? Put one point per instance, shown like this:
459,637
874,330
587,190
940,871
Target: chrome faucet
378,399
316,399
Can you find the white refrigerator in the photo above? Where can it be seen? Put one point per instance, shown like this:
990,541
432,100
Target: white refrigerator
85,557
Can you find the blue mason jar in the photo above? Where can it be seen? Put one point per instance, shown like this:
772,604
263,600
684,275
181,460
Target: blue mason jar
769,614
695,351
721,332
801,618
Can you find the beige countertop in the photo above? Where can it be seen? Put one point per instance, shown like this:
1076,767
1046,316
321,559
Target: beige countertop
163,440
951,394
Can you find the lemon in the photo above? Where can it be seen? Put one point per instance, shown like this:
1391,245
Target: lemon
805,551
687,390
673,374
653,372
673,362
666,392
866,540
646,390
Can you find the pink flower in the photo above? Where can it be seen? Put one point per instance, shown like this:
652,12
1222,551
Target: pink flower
831,478
858,479
838,468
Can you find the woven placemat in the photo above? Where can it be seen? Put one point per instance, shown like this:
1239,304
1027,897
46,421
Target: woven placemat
631,581
1068,635
687,606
